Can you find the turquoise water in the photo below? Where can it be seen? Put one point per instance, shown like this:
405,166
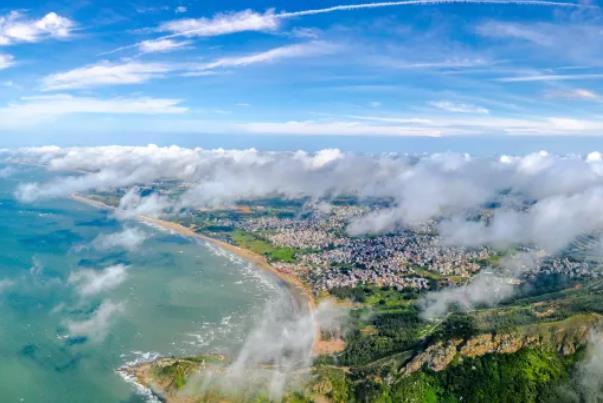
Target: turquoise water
178,297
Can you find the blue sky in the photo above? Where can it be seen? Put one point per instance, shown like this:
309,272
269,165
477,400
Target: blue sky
117,71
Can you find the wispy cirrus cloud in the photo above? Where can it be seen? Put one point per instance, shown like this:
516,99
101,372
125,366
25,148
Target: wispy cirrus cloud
249,20
432,126
161,45
338,128
131,72
105,73
459,107
31,111
550,77
548,40
575,93
222,24
309,49
15,27
506,30
450,63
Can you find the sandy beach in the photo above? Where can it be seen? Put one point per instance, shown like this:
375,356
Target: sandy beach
302,296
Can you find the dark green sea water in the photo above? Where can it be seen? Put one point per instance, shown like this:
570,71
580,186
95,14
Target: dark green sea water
178,297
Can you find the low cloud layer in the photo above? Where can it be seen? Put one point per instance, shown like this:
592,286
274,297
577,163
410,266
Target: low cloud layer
484,289
277,353
542,199
590,371
97,326
90,282
539,200
487,288
130,238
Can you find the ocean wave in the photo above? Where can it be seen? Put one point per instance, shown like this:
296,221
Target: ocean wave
249,270
139,358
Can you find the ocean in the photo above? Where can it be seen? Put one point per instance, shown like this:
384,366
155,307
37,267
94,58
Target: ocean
65,327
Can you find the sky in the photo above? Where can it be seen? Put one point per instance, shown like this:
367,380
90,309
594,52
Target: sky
302,74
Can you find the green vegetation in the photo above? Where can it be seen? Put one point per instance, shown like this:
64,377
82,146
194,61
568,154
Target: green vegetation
329,382
383,334
431,275
386,331
456,326
384,297
252,242
526,376
177,373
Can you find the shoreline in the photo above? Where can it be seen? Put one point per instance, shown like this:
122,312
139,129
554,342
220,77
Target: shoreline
303,298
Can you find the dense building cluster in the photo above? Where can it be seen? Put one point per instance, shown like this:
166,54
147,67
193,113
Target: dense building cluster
567,266
331,258
327,257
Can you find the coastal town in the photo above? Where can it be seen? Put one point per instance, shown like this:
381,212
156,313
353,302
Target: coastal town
311,242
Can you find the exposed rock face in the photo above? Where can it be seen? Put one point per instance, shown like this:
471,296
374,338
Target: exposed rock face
501,343
436,357
564,337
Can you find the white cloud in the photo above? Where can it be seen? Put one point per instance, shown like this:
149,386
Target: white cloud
132,204
105,73
433,126
564,192
161,45
551,223
507,30
31,111
180,10
576,93
544,200
582,93
550,77
222,23
129,239
249,20
91,282
552,40
590,370
337,127
488,287
6,61
482,125
280,53
459,107
364,6
15,27
484,289
283,337
96,327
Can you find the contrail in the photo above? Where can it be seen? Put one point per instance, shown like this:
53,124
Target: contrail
383,4
351,7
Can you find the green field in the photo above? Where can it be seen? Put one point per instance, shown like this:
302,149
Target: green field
252,242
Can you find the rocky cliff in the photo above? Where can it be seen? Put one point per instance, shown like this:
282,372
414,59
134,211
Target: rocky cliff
564,336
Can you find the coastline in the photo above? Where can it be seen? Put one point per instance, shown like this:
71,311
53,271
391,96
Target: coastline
301,295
